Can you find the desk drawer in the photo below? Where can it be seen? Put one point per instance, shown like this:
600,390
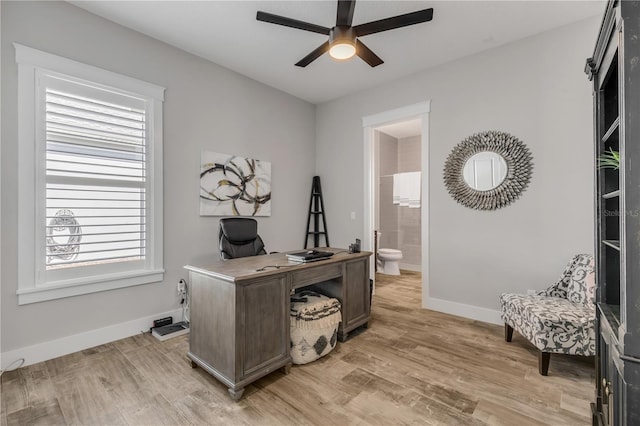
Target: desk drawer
314,275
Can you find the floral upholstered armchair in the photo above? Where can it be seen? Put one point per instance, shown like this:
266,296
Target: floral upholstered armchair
560,319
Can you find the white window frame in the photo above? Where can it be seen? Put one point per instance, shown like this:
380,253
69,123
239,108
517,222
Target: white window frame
32,287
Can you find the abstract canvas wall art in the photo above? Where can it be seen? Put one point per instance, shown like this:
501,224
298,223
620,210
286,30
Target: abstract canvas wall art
234,186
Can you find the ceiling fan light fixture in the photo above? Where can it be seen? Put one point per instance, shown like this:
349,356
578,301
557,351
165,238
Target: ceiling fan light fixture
344,39
342,43
342,50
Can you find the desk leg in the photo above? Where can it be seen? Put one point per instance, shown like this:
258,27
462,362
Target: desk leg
342,337
286,369
236,394
194,365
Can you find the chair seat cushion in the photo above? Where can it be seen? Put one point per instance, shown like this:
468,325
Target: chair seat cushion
552,324
548,313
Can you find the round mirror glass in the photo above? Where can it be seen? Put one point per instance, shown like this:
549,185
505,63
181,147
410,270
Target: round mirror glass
485,170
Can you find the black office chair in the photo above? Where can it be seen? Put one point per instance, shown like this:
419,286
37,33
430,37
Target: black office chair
238,237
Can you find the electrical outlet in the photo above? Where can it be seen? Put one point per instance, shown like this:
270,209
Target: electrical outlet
181,286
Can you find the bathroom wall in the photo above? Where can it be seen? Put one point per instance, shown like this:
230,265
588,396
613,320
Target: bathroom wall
387,212
399,226
409,229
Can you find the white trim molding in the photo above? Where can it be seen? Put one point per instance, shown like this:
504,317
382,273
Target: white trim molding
79,342
419,110
38,70
466,311
102,283
37,58
398,114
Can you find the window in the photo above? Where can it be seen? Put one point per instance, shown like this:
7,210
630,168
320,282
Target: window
90,179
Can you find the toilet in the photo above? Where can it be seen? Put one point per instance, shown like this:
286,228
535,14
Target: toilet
388,261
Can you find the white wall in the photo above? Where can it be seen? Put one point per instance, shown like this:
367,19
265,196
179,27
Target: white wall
206,107
534,89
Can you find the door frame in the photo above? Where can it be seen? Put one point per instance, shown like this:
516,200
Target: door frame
419,110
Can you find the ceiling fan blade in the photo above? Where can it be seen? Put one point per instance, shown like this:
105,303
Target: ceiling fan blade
345,12
293,23
367,55
322,49
394,22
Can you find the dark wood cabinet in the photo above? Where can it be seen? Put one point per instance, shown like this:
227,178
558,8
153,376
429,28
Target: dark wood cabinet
615,72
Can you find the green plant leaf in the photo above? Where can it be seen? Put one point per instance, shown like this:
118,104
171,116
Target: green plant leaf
609,160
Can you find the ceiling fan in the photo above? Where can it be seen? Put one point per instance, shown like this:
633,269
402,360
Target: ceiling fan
344,39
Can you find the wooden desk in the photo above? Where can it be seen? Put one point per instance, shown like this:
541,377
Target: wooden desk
240,315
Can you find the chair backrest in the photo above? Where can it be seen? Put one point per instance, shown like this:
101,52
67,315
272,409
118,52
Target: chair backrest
582,285
578,282
238,237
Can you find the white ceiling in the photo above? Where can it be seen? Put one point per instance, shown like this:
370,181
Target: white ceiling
227,33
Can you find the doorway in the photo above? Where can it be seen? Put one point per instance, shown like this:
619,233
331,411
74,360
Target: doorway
416,115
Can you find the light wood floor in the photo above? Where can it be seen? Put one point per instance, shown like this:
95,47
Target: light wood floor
411,366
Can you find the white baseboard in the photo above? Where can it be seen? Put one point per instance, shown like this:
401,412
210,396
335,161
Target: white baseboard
78,342
466,311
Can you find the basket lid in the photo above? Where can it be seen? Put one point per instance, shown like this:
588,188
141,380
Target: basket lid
309,306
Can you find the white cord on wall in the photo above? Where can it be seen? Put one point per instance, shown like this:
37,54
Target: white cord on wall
184,293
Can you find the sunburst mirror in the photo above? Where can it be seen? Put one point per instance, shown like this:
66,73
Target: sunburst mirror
488,170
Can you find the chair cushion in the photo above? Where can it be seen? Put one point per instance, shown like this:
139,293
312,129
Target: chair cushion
550,313
552,324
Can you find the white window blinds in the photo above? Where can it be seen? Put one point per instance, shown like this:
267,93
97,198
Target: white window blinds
95,176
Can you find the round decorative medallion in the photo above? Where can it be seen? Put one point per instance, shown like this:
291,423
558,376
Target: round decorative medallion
64,234
496,187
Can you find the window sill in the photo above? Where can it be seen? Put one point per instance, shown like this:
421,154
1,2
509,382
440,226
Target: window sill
103,283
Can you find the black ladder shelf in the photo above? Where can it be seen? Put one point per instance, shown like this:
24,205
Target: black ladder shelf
316,209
